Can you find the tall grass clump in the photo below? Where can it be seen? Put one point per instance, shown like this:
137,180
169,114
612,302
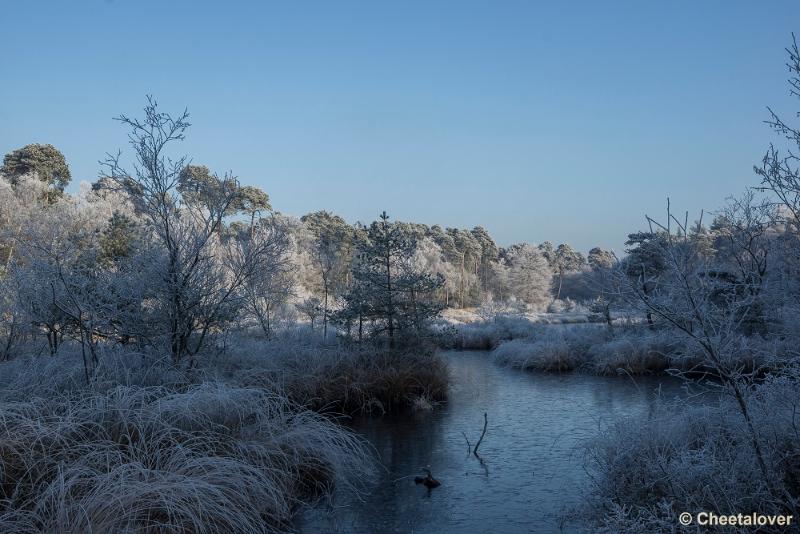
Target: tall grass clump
204,457
338,377
636,351
552,355
550,348
486,335
625,350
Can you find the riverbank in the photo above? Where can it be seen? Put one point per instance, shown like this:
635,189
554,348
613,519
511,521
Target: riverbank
627,348
235,442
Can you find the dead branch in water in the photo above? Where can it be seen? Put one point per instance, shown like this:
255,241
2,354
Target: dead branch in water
475,450
469,447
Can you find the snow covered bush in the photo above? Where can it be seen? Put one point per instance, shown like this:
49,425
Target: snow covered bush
692,457
550,348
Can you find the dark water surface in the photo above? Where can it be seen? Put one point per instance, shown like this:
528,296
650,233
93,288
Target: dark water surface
533,451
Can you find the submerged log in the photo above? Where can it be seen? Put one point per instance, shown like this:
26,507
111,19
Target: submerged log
428,481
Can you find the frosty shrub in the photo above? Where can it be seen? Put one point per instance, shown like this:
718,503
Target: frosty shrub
697,457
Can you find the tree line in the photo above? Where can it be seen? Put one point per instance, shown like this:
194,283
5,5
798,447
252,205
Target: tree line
162,251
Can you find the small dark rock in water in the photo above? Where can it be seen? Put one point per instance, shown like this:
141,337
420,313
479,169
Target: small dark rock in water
428,481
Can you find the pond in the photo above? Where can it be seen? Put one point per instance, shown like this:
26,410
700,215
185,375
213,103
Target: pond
534,470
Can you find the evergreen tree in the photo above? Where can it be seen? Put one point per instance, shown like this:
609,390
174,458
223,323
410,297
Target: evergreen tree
46,161
395,296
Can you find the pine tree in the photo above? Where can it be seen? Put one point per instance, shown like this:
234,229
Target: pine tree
389,291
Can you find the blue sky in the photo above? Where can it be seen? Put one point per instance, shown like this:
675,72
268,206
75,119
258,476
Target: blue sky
561,121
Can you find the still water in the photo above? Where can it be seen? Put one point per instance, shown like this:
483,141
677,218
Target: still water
534,470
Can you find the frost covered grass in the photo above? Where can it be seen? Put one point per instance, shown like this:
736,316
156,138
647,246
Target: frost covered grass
552,355
626,350
481,334
595,349
331,376
338,377
636,351
695,458
192,455
486,335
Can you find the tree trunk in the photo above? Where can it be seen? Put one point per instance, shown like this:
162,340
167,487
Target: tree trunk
389,301
560,282
414,310
461,283
325,314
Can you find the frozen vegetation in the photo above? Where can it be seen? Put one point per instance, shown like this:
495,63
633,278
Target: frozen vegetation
625,349
336,377
233,444
146,448
699,457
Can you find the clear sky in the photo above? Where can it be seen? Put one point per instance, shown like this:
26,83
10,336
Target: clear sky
561,121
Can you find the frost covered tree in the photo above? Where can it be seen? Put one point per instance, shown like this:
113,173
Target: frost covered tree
489,253
252,202
19,202
779,171
780,177
467,256
271,286
64,289
562,259
429,258
646,262
330,246
600,259
311,308
13,327
549,252
566,259
44,161
397,297
743,242
200,275
120,239
200,189
708,308
529,276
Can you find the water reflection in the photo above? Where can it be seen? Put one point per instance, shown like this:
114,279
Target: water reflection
533,450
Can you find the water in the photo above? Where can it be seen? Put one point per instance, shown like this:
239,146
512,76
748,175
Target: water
534,469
